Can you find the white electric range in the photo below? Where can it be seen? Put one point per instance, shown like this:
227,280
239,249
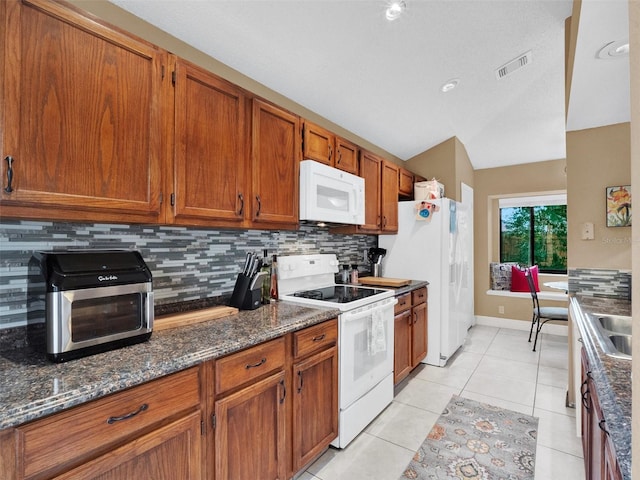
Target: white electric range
365,336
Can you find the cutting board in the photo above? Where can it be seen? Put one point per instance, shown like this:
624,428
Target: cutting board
384,282
189,318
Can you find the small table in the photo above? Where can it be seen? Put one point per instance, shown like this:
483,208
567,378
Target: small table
558,285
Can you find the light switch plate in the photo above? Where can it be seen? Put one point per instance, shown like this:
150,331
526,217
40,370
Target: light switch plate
587,231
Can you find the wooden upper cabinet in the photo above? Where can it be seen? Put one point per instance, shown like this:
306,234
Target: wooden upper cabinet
346,157
371,171
389,197
275,159
405,182
317,144
210,159
81,117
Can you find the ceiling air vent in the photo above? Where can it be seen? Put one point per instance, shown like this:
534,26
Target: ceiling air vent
510,67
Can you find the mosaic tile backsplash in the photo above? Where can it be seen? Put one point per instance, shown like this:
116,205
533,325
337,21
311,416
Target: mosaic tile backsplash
187,263
600,282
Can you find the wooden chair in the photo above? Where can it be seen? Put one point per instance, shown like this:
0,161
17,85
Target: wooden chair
542,315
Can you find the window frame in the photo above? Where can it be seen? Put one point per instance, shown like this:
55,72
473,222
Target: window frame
530,203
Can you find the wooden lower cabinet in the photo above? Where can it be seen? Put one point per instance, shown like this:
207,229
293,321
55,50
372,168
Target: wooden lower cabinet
149,431
410,333
599,454
276,412
250,432
314,392
168,453
263,413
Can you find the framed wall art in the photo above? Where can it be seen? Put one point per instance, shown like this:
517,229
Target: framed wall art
619,206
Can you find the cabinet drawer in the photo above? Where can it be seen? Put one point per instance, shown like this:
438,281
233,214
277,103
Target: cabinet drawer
56,443
242,367
315,338
419,296
404,303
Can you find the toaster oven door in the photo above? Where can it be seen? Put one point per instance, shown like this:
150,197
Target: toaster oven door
92,316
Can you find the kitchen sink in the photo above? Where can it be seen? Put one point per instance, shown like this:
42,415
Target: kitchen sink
613,333
615,323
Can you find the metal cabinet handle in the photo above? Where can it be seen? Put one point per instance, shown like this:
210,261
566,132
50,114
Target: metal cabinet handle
241,198
142,408
300,381
259,205
319,338
330,152
9,187
339,159
284,391
601,424
261,362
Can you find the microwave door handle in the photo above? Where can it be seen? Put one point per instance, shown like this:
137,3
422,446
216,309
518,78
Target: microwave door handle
356,201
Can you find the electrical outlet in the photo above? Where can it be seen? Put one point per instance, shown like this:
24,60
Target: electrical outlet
501,309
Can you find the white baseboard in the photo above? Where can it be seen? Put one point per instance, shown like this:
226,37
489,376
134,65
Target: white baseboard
552,328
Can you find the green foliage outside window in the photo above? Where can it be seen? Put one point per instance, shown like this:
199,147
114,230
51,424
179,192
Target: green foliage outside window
535,236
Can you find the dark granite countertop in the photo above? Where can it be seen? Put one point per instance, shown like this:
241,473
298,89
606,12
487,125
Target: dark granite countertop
32,387
415,284
612,376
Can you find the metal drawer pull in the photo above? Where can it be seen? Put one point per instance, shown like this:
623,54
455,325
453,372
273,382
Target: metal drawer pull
142,408
261,362
319,338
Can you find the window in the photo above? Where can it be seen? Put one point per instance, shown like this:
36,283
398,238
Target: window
533,231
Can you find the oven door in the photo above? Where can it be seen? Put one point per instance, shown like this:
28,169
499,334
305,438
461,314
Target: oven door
366,349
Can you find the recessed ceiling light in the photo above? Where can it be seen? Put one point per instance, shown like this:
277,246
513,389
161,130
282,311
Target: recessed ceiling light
614,50
450,85
395,9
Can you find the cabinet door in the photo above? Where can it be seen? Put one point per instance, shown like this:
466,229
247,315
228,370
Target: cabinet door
346,156
275,166
389,197
167,453
419,334
587,409
405,183
315,406
318,144
250,432
210,163
402,346
371,170
82,117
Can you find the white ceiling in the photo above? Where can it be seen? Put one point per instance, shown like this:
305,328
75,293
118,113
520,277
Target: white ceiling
381,80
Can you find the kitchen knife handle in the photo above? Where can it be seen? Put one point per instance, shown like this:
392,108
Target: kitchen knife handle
9,188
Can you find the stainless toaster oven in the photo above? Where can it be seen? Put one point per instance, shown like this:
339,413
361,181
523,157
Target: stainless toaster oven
91,300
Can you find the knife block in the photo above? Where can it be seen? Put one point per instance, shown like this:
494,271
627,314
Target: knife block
243,297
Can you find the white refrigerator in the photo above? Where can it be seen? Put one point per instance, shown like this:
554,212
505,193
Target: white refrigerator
440,251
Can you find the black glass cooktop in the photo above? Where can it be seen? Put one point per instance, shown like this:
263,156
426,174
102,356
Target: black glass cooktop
339,293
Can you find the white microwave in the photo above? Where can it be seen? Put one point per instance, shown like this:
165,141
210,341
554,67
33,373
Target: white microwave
330,195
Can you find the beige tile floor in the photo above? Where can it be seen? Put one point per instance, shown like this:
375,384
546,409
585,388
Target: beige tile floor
496,366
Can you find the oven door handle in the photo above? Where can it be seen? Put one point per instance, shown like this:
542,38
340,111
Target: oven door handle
365,312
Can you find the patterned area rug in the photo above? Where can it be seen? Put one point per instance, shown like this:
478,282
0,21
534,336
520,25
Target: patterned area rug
476,441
